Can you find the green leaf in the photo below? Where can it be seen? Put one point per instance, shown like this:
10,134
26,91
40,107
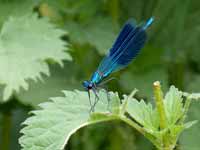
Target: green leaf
172,133
98,33
52,126
26,43
144,114
193,87
67,114
195,96
61,79
190,123
175,130
173,105
67,78
15,8
115,104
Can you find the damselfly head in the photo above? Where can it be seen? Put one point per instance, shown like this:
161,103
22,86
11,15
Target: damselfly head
87,85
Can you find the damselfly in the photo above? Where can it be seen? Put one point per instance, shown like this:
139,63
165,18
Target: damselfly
126,47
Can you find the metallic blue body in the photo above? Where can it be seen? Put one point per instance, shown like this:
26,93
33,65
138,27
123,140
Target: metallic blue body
96,77
126,47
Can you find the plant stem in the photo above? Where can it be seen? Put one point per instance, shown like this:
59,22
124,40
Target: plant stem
124,105
159,103
6,128
140,129
165,145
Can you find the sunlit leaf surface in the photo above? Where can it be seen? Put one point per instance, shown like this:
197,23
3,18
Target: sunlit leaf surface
51,127
26,43
144,114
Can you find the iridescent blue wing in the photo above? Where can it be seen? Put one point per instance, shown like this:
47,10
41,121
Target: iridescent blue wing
126,47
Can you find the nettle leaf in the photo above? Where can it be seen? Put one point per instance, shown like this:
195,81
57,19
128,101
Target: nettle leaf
195,96
51,127
193,87
67,78
99,33
190,123
149,117
26,43
173,105
143,113
61,79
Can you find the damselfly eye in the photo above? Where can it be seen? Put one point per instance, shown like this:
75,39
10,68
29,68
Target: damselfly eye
85,84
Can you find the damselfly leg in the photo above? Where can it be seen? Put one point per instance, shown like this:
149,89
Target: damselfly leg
102,85
96,90
89,98
96,99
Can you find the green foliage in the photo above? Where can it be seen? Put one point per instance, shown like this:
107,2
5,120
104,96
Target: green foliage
89,28
174,105
63,119
121,136
99,33
75,9
71,112
21,38
141,75
50,86
148,117
53,125
79,22
12,8
68,77
187,139
144,114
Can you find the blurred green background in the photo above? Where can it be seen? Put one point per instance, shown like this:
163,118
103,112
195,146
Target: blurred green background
171,55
